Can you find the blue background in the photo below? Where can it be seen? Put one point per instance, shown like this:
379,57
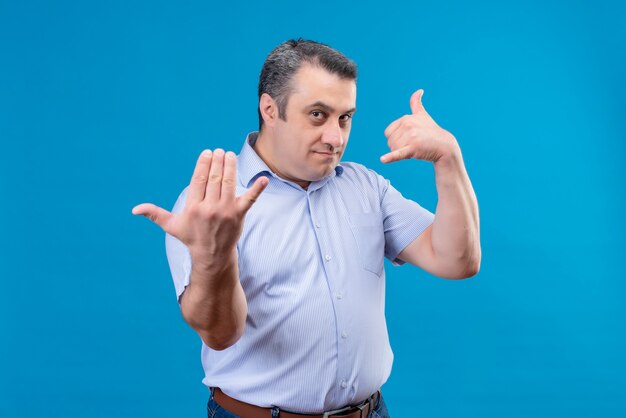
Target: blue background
107,104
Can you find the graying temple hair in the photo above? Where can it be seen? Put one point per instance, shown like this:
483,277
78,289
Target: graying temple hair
284,60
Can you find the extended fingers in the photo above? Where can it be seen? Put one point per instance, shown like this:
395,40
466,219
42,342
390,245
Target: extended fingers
247,199
156,214
416,101
197,185
229,183
214,184
397,155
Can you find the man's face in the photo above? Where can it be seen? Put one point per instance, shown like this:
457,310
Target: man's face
309,144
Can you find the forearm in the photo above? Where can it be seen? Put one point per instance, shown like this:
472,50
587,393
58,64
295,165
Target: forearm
214,303
456,228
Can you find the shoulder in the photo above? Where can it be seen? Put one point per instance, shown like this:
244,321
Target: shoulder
362,177
354,170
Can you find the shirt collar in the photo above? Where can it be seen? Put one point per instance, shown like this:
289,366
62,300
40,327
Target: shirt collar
250,166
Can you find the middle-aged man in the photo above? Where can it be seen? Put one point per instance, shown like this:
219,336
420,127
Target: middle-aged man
277,254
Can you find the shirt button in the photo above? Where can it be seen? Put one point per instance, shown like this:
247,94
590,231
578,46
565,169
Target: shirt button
344,334
344,384
327,257
317,224
339,296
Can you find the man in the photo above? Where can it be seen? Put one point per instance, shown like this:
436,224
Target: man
277,255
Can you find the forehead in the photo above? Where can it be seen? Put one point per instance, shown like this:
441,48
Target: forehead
312,84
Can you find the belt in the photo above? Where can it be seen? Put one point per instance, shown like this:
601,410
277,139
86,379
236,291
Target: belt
246,410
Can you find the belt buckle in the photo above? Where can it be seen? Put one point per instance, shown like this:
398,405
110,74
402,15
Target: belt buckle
336,411
361,407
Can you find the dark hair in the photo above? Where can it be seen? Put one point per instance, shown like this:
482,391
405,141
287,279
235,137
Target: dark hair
287,58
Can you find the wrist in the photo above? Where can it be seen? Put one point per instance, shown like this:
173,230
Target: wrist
214,275
212,262
451,153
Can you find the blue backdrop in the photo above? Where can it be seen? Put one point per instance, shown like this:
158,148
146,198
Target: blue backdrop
104,105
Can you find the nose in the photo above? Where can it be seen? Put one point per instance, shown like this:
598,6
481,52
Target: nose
333,136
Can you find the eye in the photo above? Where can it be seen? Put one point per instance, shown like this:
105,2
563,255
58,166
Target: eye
345,118
317,114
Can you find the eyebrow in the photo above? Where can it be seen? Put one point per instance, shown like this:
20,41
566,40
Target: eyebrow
328,108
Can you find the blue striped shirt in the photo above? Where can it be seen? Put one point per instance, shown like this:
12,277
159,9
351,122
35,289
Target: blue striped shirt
311,266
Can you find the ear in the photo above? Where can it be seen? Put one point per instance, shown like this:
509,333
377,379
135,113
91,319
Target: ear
268,109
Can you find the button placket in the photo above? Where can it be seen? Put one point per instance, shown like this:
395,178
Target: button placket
327,255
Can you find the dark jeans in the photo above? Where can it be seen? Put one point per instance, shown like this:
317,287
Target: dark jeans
216,411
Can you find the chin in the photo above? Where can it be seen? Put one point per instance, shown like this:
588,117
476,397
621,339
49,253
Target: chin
318,173
325,173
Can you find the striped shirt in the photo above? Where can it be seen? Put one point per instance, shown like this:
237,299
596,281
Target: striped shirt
311,266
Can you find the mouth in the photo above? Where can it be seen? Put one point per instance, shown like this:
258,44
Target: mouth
326,153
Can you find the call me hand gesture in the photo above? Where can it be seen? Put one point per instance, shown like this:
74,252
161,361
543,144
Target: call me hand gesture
212,220
417,136
450,248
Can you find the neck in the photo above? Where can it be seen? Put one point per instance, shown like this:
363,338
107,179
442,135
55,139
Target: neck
263,150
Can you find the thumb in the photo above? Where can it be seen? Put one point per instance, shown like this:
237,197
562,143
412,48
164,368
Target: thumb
156,214
247,199
416,101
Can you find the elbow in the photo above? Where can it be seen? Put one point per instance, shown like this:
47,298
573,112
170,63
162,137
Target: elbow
219,346
471,262
462,269
219,342
456,262
471,270
219,337
216,335
472,267
217,329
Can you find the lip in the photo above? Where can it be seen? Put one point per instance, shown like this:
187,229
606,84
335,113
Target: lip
328,154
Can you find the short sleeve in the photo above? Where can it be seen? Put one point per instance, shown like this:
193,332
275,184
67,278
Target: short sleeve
178,255
403,220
